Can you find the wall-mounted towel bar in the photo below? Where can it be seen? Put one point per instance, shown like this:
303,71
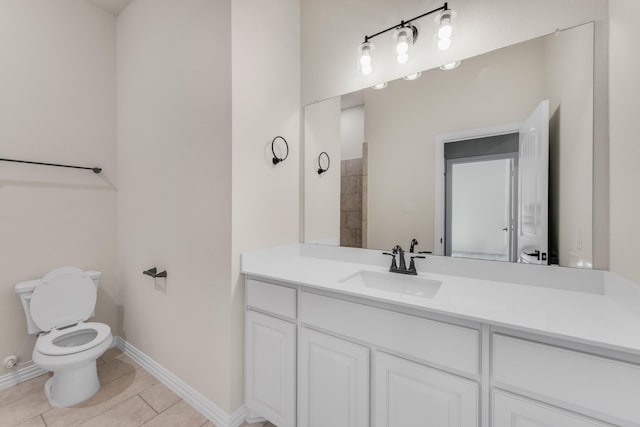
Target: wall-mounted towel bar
93,169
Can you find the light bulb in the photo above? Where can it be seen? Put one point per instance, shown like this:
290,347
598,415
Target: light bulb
445,31
403,45
444,44
365,56
366,69
402,58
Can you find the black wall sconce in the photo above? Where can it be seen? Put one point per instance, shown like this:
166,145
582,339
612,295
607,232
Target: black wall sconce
153,272
276,142
323,166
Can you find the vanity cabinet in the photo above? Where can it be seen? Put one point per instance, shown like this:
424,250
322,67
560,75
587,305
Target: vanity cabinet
320,359
333,380
514,411
270,353
411,394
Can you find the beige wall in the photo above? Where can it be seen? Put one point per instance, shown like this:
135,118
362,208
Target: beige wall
57,104
329,63
569,83
402,139
322,192
266,103
625,144
174,195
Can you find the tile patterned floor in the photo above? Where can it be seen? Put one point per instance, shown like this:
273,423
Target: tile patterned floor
129,397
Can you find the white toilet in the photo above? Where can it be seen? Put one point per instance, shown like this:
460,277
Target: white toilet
56,307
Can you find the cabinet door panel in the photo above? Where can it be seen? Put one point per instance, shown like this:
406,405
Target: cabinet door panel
333,382
270,368
410,394
515,411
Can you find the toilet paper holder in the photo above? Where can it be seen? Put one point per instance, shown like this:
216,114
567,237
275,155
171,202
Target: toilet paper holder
153,272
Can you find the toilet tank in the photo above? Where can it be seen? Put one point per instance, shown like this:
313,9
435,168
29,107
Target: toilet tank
25,289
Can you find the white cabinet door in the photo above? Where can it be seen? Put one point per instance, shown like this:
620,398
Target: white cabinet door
270,368
333,382
410,394
514,411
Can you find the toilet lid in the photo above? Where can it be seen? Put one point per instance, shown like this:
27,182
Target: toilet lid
63,299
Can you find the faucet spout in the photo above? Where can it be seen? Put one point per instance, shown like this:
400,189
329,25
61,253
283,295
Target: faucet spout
400,252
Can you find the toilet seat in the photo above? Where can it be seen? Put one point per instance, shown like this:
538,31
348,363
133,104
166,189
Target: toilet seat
46,343
63,298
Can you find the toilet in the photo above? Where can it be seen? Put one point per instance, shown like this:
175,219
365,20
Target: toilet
57,308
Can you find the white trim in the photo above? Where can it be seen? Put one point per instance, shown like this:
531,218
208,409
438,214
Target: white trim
190,395
441,139
21,375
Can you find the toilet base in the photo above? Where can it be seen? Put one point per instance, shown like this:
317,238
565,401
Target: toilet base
70,387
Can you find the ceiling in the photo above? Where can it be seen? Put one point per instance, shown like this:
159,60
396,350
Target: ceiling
113,6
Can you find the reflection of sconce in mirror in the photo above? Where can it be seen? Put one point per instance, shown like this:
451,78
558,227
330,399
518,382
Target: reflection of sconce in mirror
280,146
323,162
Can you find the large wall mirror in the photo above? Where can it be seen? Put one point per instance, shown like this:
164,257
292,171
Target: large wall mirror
492,159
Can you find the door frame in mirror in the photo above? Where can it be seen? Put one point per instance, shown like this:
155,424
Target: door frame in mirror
440,178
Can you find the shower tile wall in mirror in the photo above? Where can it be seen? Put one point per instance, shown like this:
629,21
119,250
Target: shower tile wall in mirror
491,160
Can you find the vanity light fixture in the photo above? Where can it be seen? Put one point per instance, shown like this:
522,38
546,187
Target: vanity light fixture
380,86
413,76
405,35
450,65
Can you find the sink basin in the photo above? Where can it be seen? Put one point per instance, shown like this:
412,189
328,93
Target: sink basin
392,282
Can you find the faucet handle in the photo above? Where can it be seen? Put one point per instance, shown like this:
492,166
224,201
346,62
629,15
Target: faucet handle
394,266
412,264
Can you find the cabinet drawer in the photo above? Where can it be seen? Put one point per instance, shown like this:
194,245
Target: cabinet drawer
515,411
274,299
591,382
433,342
410,394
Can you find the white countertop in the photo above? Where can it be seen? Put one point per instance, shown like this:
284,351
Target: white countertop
585,317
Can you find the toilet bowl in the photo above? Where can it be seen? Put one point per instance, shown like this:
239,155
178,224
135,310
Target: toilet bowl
58,306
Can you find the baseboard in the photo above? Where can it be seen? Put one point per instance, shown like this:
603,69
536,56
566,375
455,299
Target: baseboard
190,395
21,375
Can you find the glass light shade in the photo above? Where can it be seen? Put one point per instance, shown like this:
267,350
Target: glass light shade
366,61
450,66
402,58
413,76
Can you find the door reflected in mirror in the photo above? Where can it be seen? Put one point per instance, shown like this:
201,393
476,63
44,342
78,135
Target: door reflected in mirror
491,160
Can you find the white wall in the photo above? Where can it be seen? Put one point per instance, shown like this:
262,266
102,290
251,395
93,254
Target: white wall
57,104
174,195
351,132
329,57
403,120
569,83
322,132
625,144
266,103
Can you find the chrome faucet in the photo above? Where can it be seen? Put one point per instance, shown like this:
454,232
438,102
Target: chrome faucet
402,269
